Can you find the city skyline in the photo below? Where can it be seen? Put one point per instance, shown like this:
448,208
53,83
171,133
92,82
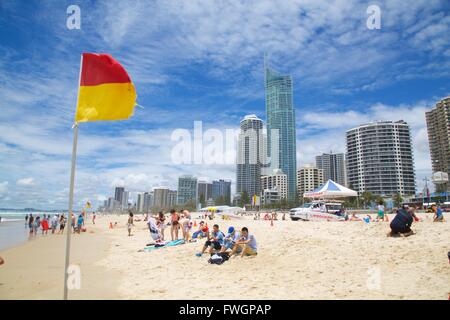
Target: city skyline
344,75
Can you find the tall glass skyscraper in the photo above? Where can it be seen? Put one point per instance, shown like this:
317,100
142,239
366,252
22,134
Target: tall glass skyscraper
281,116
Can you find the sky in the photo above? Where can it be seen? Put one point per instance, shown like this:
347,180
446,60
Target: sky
203,61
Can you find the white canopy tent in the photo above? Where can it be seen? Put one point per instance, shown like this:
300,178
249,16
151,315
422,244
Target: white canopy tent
330,190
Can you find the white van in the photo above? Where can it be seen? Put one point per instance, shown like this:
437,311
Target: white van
318,211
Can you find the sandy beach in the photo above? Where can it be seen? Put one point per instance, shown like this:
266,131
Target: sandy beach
296,260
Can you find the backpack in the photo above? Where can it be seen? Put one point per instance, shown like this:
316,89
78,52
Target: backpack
218,258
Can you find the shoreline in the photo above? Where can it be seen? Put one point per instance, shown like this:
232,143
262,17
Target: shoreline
35,269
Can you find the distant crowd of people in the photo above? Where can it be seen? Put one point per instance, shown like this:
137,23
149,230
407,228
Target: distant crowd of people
55,223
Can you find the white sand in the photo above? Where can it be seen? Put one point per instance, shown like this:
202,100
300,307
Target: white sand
296,260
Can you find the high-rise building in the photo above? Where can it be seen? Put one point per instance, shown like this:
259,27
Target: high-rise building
251,151
118,194
125,197
164,198
204,192
277,180
221,191
187,190
333,166
140,202
308,179
281,117
380,158
438,126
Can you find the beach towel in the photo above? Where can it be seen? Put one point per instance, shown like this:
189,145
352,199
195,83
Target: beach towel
163,244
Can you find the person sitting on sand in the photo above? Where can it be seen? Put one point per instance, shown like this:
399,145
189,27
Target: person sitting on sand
246,244
230,240
438,215
202,231
354,217
215,241
401,224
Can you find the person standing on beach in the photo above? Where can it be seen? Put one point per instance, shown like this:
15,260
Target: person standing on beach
80,222
160,222
93,217
62,223
380,214
54,223
44,225
175,225
37,224
31,224
130,223
186,224
26,220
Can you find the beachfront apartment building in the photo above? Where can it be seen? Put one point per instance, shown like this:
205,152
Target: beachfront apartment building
438,127
118,194
308,178
333,166
164,198
204,192
251,152
280,113
380,158
221,189
187,190
277,180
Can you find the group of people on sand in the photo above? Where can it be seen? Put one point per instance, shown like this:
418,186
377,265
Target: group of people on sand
234,242
55,223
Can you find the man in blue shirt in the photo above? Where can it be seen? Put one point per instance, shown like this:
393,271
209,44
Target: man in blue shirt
215,241
438,216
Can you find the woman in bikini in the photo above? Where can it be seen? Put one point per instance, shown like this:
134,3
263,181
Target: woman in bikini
175,224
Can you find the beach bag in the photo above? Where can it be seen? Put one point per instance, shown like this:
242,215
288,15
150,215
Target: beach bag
218,258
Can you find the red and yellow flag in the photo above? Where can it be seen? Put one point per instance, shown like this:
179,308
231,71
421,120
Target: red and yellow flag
106,91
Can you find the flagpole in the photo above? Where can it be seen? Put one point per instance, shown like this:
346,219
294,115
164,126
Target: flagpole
71,191
69,214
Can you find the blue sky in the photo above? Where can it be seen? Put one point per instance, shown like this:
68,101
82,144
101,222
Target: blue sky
203,61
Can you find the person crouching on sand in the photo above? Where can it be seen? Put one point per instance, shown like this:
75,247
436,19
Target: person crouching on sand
154,231
401,224
438,215
215,241
246,244
130,223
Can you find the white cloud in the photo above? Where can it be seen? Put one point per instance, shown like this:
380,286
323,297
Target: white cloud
25,182
3,187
